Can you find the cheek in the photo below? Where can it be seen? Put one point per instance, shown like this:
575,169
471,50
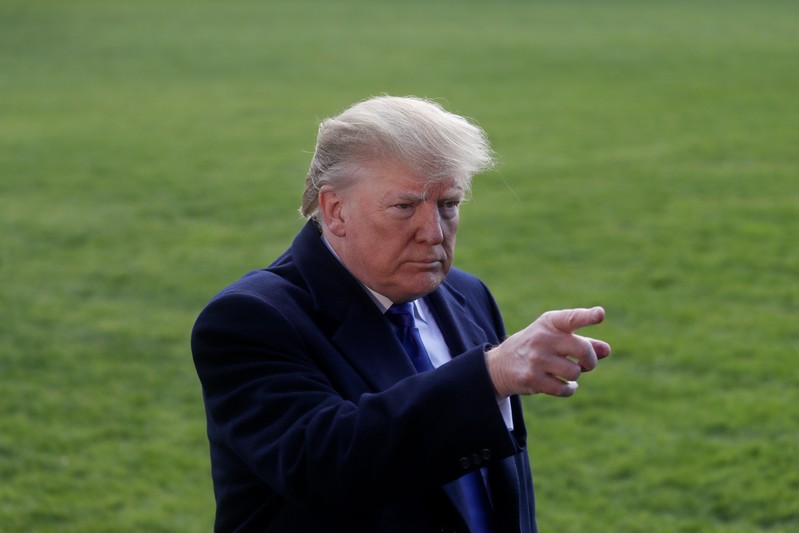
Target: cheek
450,229
381,249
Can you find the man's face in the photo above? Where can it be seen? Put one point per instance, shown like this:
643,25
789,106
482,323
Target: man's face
396,232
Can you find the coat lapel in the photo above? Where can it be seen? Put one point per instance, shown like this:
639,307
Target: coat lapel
357,327
366,340
460,332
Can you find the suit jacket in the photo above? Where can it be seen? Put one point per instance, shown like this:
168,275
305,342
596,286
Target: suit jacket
318,422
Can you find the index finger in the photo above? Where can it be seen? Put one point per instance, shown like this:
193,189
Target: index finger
570,320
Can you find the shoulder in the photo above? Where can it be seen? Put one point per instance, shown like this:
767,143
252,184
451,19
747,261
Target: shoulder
252,302
474,296
264,284
465,283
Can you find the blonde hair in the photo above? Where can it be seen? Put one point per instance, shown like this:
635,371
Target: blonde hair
415,132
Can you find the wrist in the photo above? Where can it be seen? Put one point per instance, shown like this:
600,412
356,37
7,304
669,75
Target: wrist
495,373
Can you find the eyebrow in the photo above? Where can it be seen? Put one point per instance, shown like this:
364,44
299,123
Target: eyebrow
409,197
454,193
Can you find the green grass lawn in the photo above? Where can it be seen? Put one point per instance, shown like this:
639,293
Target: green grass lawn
153,152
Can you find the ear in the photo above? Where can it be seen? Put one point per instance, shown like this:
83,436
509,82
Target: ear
331,207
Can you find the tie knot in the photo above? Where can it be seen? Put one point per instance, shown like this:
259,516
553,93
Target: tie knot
401,314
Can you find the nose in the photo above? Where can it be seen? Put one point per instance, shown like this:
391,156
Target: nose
429,228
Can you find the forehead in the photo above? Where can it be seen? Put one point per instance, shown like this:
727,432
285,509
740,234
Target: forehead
393,179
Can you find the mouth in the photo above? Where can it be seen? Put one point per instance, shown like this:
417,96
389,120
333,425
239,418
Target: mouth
427,263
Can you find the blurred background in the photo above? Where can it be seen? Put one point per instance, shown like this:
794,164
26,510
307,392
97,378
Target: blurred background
152,152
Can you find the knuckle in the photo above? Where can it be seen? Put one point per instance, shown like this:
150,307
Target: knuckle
531,381
547,316
538,337
572,318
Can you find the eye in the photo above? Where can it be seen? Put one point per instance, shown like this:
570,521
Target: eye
449,208
403,210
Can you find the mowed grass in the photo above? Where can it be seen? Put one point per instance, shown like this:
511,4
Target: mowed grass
153,152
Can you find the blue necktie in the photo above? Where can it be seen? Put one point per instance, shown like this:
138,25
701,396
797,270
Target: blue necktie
474,491
401,315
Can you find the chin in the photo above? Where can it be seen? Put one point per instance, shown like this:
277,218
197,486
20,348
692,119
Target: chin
411,286
426,286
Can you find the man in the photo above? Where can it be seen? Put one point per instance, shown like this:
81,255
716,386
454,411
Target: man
325,412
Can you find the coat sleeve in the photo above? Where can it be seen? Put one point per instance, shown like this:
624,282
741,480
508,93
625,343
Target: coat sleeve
277,414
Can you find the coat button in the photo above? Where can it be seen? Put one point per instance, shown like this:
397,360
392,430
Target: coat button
485,454
465,462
